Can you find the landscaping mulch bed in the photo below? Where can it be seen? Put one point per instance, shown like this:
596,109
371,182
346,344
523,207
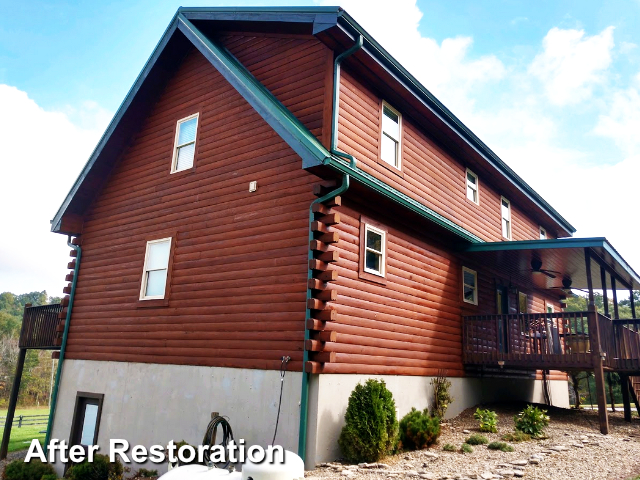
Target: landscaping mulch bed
573,449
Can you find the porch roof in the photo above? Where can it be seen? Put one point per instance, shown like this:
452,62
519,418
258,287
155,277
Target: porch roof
565,257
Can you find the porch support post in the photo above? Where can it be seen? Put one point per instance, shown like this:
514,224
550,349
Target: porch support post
605,294
626,400
596,356
633,303
616,314
13,401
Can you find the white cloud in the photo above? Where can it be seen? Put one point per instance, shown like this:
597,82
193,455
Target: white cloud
571,64
622,122
43,152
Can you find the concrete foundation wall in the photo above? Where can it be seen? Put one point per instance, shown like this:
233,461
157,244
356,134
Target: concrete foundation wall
329,395
149,404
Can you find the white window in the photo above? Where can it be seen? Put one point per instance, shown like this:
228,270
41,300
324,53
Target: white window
469,286
156,265
543,234
472,187
374,250
506,218
185,143
390,146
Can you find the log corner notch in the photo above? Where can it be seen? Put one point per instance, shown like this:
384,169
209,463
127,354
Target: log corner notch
62,316
321,298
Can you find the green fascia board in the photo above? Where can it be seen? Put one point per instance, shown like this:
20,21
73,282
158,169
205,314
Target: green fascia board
383,189
377,51
274,113
106,136
555,244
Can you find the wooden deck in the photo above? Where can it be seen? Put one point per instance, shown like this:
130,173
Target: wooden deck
551,341
39,326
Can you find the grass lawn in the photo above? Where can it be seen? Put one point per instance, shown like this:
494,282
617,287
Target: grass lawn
21,437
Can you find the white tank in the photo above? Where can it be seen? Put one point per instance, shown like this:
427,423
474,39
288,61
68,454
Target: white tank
199,472
292,468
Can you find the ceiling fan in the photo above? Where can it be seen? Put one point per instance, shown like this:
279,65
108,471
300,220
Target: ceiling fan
536,267
566,286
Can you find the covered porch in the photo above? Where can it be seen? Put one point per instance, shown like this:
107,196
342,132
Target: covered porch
566,341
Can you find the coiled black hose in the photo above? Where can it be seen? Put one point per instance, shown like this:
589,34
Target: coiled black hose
210,435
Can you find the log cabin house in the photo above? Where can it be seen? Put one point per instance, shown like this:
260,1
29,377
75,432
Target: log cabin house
276,184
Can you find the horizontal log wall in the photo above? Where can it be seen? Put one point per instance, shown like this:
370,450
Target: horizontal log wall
238,284
429,174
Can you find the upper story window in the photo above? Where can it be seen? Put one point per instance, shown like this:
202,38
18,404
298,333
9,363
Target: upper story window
390,142
506,218
543,234
472,187
185,143
156,267
374,250
523,302
469,286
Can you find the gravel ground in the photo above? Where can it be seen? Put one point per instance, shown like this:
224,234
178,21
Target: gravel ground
11,457
574,449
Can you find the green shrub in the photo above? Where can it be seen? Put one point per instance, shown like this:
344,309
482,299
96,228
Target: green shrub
441,396
477,439
466,448
500,446
21,470
49,476
99,469
144,473
371,426
447,447
418,430
488,420
516,436
531,421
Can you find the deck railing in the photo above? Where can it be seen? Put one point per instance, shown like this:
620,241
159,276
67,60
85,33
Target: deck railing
39,326
549,340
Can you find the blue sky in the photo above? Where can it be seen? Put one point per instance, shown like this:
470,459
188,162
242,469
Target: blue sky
552,87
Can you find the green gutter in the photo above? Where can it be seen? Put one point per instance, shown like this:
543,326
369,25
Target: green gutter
63,347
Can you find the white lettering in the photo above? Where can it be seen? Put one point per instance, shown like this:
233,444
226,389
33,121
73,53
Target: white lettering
181,454
76,454
119,446
157,454
139,453
217,454
92,451
271,454
253,450
35,451
171,449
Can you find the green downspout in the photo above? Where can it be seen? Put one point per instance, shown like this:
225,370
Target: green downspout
63,346
304,396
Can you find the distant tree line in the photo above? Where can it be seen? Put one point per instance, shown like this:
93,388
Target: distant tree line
36,376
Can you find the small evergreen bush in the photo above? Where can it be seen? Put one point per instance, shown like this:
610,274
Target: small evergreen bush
371,427
531,421
466,448
447,447
144,473
418,430
516,436
500,446
100,469
488,420
21,470
49,476
441,396
477,439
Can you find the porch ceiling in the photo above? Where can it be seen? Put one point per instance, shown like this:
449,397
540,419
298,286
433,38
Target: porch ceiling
564,255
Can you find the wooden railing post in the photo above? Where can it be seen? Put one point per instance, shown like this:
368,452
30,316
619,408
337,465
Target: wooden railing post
597,361
13,401
626,400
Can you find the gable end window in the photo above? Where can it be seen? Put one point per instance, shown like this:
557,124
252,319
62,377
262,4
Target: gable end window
156,267
469,286
390,139
472,187
506,218
184,148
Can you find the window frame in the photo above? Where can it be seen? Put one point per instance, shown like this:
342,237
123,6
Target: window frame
510,219
143,282
475,287
366,274
522,295
83,399
176,147
476,186
398,166
368,227
543,233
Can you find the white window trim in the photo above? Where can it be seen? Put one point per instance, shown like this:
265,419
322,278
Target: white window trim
543,231
174,159
550,308
383,253
475,187
475,289
399,152
502,199
143,286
